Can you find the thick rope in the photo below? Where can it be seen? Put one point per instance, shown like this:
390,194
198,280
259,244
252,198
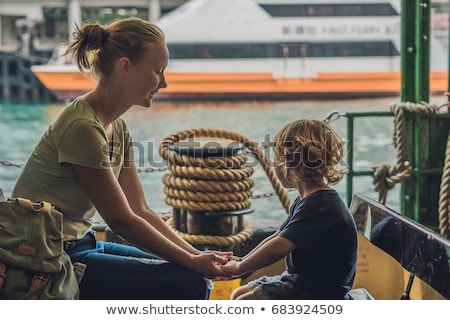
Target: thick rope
444,204
213,184
221,241
386,176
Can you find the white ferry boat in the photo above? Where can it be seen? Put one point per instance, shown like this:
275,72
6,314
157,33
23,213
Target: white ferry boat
275,49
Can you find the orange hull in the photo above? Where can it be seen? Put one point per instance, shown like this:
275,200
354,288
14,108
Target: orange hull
68,85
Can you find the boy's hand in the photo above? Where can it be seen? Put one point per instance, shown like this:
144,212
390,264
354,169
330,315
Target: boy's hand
231,268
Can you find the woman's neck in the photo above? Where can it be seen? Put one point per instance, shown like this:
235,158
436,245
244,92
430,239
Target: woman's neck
106,109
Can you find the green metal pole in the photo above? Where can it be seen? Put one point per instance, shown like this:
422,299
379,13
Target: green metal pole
408,51
415,50
415,88
423,41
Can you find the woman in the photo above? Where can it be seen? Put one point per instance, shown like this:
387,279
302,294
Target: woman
84,163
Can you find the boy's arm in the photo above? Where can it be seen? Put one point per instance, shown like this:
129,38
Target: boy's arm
275,234
267,253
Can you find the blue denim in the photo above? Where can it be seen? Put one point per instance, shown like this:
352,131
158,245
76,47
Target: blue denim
121,272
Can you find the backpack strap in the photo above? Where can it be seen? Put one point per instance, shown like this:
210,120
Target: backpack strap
42,206
36,286
3,268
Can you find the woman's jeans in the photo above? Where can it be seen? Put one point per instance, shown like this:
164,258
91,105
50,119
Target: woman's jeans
121,272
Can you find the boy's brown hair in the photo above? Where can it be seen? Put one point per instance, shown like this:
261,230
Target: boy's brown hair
311,150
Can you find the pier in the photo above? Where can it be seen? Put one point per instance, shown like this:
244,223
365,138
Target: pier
17,82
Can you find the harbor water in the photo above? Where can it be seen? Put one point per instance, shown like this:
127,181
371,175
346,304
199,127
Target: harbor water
22,125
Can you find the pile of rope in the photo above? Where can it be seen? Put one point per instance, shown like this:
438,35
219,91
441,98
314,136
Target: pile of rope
209,184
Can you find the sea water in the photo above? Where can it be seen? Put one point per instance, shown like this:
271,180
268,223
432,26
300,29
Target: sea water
22,125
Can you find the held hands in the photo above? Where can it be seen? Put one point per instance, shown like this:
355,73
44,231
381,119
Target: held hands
211,264
208,263
232,267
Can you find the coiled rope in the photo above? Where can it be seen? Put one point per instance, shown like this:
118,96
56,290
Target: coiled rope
213,183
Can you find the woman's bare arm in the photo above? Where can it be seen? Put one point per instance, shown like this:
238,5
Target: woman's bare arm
134,193
112,204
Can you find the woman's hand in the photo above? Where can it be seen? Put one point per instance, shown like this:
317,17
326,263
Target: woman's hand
232,267
208,264
226,254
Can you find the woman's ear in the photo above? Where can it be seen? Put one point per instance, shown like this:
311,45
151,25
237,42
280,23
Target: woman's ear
124,64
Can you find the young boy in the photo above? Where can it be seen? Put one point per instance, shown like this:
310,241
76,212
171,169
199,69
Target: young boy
318,238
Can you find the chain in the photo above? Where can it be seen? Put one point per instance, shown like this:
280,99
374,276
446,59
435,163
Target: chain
10,164
150,169
269,194
333,116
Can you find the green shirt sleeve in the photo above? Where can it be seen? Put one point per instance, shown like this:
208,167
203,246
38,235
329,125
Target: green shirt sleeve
84,143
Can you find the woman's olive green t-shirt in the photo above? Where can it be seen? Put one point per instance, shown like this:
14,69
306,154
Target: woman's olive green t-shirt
77,137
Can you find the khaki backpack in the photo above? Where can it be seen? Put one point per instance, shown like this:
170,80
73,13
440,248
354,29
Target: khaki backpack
33,263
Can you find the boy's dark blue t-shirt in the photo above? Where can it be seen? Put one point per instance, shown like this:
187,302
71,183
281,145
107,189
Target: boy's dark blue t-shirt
323,262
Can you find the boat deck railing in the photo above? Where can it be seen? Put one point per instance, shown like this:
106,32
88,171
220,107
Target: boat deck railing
351,118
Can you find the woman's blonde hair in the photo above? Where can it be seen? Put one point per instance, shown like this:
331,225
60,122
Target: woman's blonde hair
311,151
96,47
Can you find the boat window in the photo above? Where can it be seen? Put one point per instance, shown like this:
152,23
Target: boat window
328,10
328,49
54,26
275,50
352,49
380,49
224,51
